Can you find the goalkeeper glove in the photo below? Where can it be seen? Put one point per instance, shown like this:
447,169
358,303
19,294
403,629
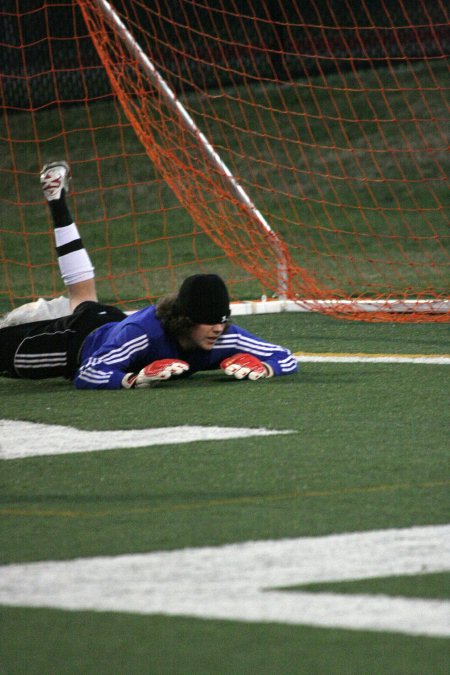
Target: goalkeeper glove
247,366
155,372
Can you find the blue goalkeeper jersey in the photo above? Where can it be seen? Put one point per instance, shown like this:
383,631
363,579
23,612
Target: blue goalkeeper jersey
115,349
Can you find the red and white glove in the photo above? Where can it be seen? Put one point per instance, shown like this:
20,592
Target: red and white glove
247,366
155,372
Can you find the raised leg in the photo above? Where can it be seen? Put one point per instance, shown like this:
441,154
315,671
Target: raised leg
75,264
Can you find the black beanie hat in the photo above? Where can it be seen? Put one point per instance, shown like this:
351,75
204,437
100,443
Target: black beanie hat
203,298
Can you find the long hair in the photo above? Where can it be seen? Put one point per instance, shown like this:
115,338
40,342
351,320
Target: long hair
176,326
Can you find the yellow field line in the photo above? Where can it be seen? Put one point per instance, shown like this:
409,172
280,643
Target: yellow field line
354,357
306,494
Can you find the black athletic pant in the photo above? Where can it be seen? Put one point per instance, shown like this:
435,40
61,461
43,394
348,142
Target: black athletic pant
43,349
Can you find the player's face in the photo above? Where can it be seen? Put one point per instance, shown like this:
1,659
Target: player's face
204,335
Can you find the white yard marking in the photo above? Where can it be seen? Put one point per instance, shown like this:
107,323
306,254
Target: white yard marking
28,439
236,581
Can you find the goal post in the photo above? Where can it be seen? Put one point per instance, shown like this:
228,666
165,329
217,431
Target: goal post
298,149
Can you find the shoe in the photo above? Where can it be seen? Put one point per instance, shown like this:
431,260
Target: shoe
55,178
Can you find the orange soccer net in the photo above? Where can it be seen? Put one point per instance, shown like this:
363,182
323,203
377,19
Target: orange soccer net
299,149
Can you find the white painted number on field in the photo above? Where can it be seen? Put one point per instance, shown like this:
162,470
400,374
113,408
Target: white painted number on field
28,439
239,581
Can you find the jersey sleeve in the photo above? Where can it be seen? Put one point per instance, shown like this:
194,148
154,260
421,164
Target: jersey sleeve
122,353
237,340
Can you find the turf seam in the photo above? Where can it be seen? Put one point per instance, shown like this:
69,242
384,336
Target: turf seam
226,502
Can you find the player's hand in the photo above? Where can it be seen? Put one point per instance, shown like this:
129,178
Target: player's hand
243,366
155,372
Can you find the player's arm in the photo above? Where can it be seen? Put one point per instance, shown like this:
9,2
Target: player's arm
250,357
125,352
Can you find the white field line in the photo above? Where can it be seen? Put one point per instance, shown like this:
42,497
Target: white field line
436,359
242,582
20,439
271,306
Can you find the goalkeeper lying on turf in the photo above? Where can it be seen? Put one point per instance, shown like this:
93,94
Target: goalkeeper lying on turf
99,347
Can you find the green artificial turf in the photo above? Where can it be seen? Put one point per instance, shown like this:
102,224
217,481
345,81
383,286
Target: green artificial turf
86,643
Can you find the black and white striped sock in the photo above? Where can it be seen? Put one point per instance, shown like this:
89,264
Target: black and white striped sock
74,262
